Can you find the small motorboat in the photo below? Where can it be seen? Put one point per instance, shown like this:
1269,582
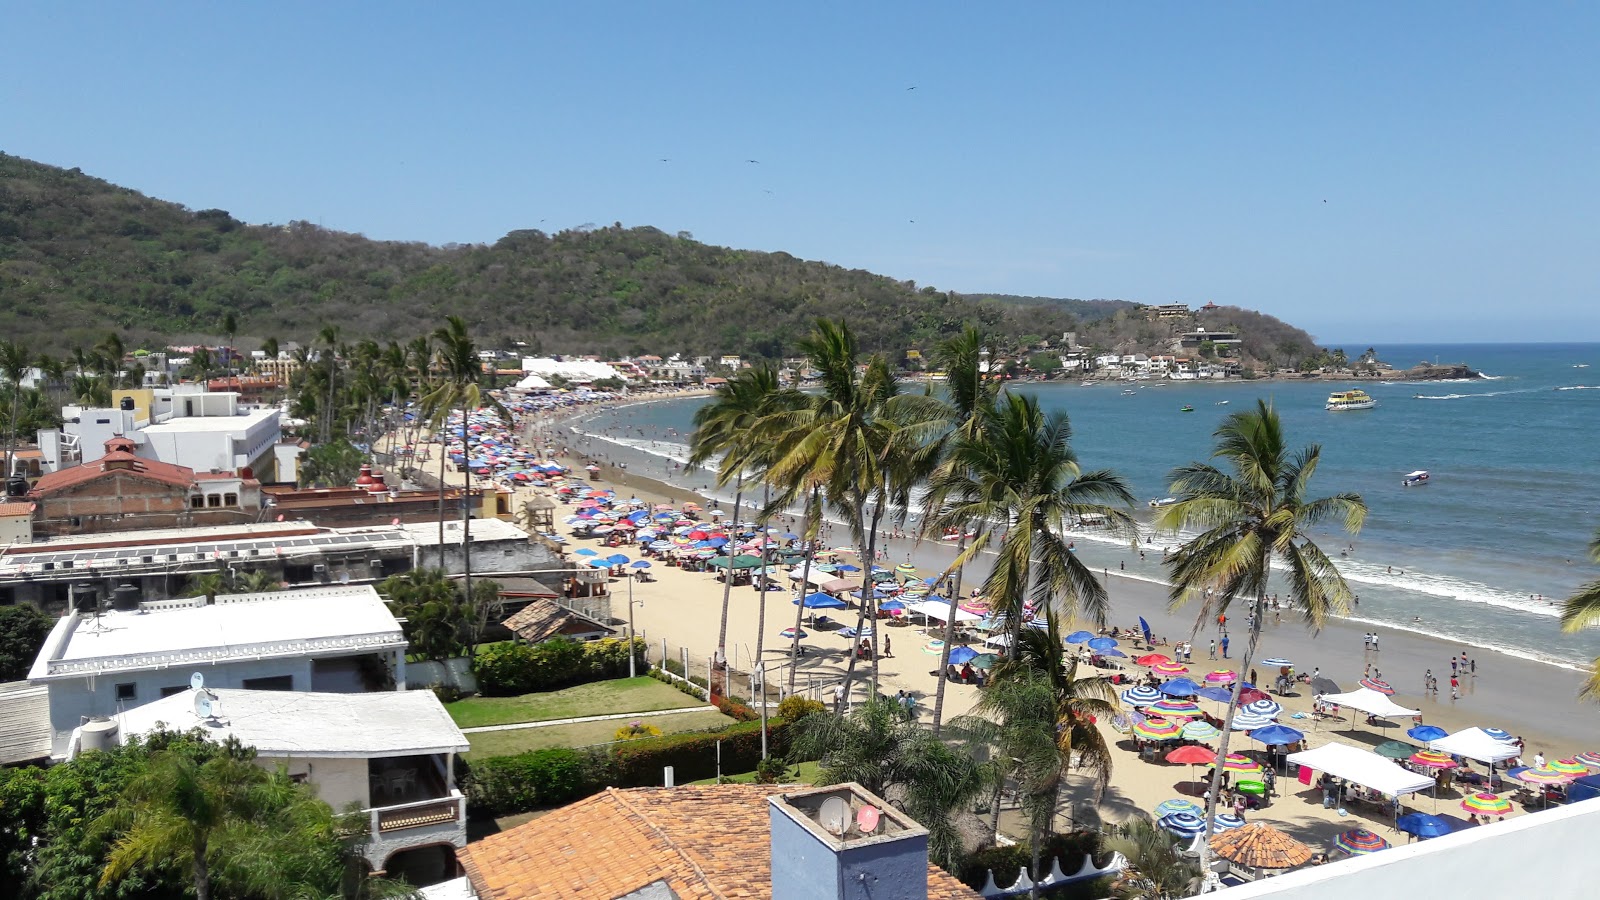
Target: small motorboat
1186,408
1222,403
1165,501
1420,476
1129,393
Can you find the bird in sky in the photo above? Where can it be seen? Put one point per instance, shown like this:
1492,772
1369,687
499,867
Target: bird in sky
756,161
666,160
913,221
912,88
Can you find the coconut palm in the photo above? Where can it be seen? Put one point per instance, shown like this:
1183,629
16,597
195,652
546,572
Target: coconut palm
15,361
1019,472
1582,610
329,338
1155,870
1253,512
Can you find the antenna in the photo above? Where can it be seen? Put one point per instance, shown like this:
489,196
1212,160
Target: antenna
835,815
867,819
197,681
202,705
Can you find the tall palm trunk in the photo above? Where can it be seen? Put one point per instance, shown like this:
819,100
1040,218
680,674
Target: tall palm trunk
202,869
812,531
949,635
444,456
727,578
759,667
1256,608
871,537
466,514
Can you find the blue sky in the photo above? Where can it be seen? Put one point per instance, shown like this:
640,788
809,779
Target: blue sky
1371,171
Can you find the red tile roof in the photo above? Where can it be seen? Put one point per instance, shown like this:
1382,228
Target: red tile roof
707,842
119,458
16,509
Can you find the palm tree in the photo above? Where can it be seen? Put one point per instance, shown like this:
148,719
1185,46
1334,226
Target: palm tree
1250,515
1020,471
110,353
1155,869
458,356
329,337
15,361
1582,610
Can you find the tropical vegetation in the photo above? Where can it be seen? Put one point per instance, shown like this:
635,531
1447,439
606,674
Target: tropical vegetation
1582,610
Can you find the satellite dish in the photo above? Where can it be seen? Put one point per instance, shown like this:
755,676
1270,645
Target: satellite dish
835,815
197,681
202,705
867,819
216,707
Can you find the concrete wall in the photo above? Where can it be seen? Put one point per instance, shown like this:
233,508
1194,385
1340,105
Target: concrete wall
805,868
16,529
340,781
1541,853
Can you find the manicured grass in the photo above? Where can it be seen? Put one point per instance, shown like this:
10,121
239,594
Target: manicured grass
599,698
582,734
808,775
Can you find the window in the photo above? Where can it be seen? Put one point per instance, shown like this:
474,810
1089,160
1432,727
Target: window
174,689
213,500
127,692
273,683
230,500
197,502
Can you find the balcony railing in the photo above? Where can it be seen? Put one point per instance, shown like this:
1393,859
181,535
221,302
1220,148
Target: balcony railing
419,814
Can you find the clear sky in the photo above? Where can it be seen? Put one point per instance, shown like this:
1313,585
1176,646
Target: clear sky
1370,171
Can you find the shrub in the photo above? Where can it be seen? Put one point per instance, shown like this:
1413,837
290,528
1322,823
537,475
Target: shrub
507,670
1008,862
732,707
503,785
795,706
634,731
447,693
692,756
772,770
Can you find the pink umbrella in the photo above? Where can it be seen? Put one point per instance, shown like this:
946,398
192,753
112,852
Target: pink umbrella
1169,668
1220,677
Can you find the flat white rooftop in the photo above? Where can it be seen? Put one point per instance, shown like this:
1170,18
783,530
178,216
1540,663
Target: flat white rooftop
325,621
426,534
211,424
302,723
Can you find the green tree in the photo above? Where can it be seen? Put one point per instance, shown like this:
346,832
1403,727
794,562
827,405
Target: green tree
1155,871
1046,364
1250,512
435,616
334,464
15,361
1582,610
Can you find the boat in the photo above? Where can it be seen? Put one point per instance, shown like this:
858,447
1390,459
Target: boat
1165,501
1347,400
1186,408
1129,393
1222,403
1581,366
1420,476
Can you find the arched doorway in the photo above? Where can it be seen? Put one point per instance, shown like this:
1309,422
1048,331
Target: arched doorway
422,866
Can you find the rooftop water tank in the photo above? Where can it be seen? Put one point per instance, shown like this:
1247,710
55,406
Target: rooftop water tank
99,733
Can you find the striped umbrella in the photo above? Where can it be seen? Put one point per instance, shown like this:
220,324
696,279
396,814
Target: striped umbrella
1590,759
1432,759
790,633
1278,661
1500,734
1264,707
1360,841
1200,730
1178,805
1172,706
1248,721
1486,805
1225,822
1221,676
1169,668
1240,765
1182,824
1140,696
1156,728
1544,775
1569,767
934,647
906,569
1374,684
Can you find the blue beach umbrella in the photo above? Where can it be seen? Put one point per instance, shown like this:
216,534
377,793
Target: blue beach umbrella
1114,652
789,536
1178,805
1225,822
1180,687
1422,825
891,606
1102,643
1078,637
586,551
1219,695
641,564
1276,662
1426,733
1277,734
820,600
962,655
846,567
1264,707
617,559
1140,696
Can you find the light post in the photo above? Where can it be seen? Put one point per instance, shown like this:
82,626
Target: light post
631,653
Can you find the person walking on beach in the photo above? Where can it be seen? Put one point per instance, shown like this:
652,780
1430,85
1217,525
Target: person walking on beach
1213,651
886,646
1455,688
1374,642
1224,646
1427,681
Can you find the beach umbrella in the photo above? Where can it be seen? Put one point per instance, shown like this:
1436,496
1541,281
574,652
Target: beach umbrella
1225,822
1149,659
1200,730
849,568
1542,775
1569,767
1277,734
1248,721
892,606
1359,841
641,564
1216,694
961,655
1276,661
1263,707
586,551
1177,805
1429,759
820,600
1140,696
789,536
1182,824
1381,687
1248,694
1240,765
1173,706
1114,653
790,633
1191,754
906,569
1220,676
932,648
1426,733
617,559
1590,759
1422,825
985,661
1500,734
1394,750
1155,728
1169,668
1102,644
1081,637
1258,846
1179,687
1486,805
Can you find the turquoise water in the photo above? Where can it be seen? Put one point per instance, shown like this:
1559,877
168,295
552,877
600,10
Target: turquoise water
1478,554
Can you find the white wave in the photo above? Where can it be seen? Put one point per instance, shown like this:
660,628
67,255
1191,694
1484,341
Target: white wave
1444,587
1476,394
1433,631
1580,387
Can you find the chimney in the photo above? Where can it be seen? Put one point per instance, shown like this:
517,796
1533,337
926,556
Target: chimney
843,843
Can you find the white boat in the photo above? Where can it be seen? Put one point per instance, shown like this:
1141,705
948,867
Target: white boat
1165,501
1222,403
1420,476
1129,393
1581,366
1349,400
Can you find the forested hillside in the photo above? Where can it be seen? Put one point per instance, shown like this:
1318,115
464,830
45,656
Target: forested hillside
80,257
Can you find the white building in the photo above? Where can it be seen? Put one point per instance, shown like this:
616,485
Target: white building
390,754
333,639
185,425
577,371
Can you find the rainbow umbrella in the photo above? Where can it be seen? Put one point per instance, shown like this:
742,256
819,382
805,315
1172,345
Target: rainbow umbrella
1544,775
1169,668
1221,676
1179,805
1155,728
1200,730
934,647
1172,706
1359,841
1590,759
1240,765
1569,767
1432,759
790,633
906,569
1486,805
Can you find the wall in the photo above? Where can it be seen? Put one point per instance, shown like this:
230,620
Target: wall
117,501
804,868
340,781
16,529
1534,852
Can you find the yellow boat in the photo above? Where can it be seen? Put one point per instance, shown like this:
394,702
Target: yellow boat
1346,400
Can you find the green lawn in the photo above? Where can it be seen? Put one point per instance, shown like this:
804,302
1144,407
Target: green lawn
599,698
582,734
808,775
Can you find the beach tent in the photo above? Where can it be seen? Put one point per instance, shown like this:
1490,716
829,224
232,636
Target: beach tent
940,610
1474,743
1362,767
1370,701
738,562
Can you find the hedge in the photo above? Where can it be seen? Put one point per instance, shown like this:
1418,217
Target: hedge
509,670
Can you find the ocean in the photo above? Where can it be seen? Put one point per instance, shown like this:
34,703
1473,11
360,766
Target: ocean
1481,555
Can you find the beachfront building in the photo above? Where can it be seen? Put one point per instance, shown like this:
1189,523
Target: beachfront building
16,522
1221,340
574,371
727,840
390,754
104,661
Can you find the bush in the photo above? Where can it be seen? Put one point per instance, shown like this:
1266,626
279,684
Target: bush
507,670
503,785
447,693
795,706
692,756
732,707
634,731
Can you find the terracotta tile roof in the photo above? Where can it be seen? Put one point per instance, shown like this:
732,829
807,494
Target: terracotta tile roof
707,842
16,509
118,461
543,619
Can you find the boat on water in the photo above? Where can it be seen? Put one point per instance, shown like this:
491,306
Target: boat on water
1186,408
1340,401
1164,501
1581,366
1420,476
1129,393
1222,403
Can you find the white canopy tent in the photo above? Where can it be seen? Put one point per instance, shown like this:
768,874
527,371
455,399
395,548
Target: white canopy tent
1362,767
998,639
532,383
1475,743
1369,701
935,609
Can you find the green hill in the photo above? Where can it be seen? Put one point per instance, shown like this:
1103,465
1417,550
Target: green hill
80,256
